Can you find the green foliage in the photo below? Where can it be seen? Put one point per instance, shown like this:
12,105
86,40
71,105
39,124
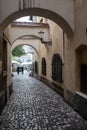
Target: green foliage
18,51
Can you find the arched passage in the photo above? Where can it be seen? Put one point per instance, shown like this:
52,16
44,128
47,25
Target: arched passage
27,45
38,12
14,44
31,56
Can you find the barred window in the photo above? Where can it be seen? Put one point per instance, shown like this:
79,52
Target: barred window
57,68
43,66
36,67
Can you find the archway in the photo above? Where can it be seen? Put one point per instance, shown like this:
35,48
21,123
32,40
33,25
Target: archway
38,12
23,43
23,56
28,36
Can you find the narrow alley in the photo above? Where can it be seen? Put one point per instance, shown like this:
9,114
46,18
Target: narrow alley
34,106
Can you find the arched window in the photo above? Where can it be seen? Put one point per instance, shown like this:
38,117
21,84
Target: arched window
43,66
57,68
36,67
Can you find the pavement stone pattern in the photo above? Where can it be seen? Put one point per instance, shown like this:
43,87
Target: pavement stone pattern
34,106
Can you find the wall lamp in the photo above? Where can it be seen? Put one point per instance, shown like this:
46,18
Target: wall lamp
41,38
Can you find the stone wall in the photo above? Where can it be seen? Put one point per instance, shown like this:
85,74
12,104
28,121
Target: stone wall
47,51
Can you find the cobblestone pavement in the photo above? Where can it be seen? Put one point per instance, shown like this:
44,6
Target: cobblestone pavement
34,106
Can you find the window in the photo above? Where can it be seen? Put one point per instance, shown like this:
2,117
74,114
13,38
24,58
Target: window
43,66
36,67
57,68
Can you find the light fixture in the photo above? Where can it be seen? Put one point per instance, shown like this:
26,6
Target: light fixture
41,35
49,42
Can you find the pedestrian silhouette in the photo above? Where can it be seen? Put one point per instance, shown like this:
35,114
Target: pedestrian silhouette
18,70
22,69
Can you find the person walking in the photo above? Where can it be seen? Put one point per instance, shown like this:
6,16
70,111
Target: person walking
18,70
22,69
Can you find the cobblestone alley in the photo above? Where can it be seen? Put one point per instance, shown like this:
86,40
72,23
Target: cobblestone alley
34,106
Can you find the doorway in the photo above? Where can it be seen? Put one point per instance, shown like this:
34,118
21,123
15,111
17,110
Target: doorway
84,78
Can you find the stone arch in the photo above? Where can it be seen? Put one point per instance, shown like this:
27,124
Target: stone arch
33,36
57,68
38,12
81,47
25,43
